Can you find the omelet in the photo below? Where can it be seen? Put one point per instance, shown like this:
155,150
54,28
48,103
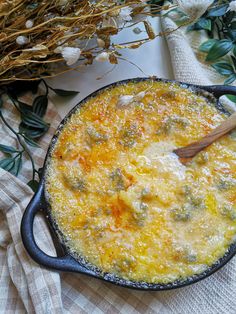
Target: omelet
124,201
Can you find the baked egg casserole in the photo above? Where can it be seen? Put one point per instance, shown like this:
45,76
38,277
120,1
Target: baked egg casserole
122,199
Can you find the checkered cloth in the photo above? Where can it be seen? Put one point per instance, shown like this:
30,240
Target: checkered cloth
27,287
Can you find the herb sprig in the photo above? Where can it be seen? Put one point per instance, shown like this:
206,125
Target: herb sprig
31,127
220,24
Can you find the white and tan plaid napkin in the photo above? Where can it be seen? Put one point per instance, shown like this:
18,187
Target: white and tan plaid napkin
28,287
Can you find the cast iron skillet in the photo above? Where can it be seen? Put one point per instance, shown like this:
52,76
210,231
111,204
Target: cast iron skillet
67,260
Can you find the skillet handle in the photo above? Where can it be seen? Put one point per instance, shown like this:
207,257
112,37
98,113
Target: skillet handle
65,263
219,90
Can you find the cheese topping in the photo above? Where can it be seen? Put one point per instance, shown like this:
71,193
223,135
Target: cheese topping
122,198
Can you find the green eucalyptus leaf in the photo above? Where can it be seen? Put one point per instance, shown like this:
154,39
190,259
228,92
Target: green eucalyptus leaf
8,149
230,79
231,97
33,120
231,33
223,68
219,49
29,121
7,163
182,20
234,50
40,105
218,11
31,132
33,184
206,46
202,23
30,141
24,107
62,92
17,166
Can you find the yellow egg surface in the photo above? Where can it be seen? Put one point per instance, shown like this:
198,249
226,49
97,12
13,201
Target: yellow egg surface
122,198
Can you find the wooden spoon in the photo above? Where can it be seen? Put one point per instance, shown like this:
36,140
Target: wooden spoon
193,149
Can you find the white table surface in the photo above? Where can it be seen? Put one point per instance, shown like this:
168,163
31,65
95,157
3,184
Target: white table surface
153,58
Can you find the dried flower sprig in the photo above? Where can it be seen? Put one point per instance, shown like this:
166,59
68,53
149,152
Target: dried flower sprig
42,39
36,36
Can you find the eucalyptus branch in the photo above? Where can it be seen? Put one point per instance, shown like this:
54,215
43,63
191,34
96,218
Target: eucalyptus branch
31,127
23,145
14,102
220,22
46,86
30,53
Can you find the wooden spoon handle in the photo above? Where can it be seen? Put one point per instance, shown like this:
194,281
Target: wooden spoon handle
194,148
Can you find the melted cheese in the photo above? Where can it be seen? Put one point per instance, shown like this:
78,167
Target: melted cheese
125,202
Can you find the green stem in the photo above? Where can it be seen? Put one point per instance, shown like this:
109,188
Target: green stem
23,145
14,103
46,86
9,127
219,31
19,154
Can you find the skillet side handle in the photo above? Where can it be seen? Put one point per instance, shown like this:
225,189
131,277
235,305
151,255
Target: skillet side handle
219,90
65,263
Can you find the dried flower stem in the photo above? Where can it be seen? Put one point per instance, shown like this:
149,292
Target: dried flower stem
31,53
